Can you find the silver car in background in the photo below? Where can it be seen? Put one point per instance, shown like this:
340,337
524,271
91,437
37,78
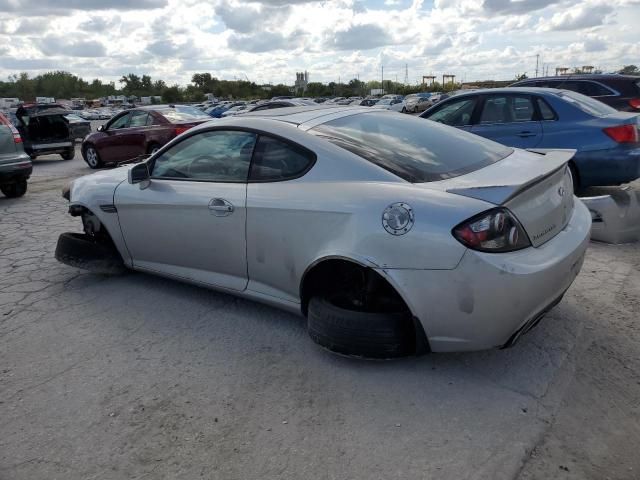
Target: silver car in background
392,235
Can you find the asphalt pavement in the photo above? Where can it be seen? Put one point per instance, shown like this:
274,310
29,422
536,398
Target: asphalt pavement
137,376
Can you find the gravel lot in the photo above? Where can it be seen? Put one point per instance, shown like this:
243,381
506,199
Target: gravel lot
142,377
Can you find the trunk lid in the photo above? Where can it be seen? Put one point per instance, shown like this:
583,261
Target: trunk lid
534,185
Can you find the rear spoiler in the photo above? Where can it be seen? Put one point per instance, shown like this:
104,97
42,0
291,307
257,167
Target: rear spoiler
499,190
554,152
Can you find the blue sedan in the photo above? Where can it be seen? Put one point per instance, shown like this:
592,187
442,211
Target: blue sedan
606,140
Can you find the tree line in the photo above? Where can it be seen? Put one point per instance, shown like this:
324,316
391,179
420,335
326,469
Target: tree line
61,84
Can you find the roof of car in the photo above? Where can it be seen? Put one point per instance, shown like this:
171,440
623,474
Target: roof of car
582,76
538,90
303,114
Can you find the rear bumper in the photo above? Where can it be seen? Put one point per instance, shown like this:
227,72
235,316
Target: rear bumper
608,167
489,298
20,169
48,148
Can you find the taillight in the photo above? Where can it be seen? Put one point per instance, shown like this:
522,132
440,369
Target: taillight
16,135
635,103
623,133
181,129
495,230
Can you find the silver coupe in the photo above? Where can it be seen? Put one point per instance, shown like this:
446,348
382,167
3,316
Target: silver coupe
392,235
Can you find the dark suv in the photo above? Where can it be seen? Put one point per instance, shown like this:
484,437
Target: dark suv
621,92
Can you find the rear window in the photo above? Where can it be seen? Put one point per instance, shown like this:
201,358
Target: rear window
414,149
182,113
586,104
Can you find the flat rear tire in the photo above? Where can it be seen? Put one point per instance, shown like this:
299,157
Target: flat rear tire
360,334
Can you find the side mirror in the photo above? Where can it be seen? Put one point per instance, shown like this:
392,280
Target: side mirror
139,174
101,128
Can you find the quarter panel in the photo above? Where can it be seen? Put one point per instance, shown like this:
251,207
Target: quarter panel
290,225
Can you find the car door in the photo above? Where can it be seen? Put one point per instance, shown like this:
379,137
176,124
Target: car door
133,138
109,146
458,112
190,221
510,119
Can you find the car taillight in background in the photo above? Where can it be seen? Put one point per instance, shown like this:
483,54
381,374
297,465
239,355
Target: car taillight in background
496,230
182,129
623,133
14,131
635,103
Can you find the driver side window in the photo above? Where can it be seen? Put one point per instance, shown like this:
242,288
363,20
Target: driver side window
120,122
215,156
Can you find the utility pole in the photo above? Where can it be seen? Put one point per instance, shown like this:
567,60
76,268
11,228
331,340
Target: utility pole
406,73
537,60
382,78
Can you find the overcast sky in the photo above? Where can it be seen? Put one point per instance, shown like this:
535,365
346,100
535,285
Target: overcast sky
268,41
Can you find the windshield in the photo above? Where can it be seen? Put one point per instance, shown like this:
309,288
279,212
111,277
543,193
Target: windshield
412,148
182,113
386,101
586,104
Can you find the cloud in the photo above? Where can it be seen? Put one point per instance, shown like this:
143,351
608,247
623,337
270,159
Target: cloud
515,6
584,16
170,49
62,6
20,64
247,18
100,24
31,26
360,37
264,42
66,46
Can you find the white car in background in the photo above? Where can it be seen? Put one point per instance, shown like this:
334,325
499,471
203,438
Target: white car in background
393,104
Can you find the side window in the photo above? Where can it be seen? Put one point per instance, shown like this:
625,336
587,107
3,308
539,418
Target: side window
457,113
594,89
215,156
138,119
275,160
507,109
549,84
120,122
545,110
151,120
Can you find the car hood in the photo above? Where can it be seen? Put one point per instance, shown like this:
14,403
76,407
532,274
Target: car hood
103,181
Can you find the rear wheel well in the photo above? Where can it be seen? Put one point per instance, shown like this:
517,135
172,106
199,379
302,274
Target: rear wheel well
369,290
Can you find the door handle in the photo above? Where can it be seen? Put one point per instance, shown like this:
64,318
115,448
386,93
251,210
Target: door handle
526,134
220,207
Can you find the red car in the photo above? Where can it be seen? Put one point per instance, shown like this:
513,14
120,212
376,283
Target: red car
137,132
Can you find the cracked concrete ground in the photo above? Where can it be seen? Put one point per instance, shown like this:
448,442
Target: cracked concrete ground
136,377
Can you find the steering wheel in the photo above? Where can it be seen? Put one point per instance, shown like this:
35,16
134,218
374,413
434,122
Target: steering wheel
213,165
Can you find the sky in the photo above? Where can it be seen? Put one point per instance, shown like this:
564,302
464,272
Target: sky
268,41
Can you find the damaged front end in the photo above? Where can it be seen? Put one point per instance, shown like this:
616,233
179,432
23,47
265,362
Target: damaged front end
92,250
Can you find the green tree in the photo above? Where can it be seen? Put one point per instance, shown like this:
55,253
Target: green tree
629,70
172,94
